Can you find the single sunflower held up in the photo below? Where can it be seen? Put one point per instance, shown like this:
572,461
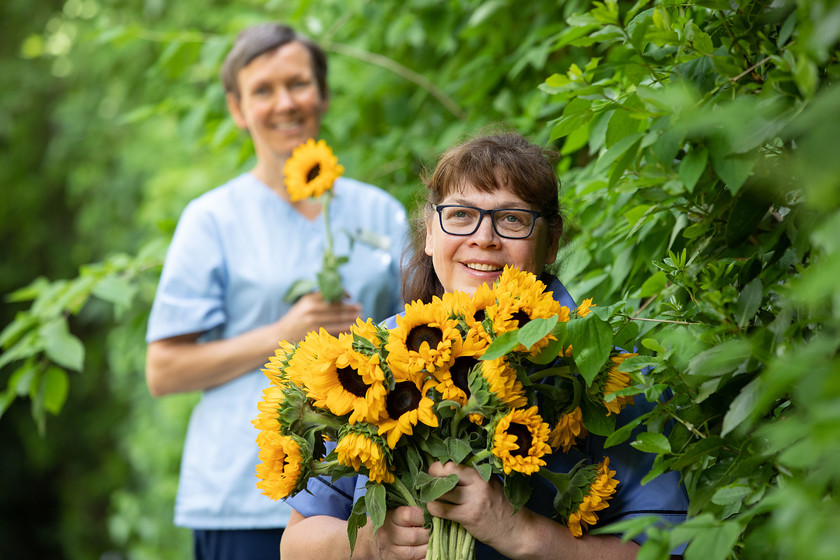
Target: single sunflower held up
310,173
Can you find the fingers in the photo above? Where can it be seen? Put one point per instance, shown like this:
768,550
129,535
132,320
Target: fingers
403,536
312,313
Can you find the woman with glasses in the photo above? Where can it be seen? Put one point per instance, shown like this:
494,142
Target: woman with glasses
491,202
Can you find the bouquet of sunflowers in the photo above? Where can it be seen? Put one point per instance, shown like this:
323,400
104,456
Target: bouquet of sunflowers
497,381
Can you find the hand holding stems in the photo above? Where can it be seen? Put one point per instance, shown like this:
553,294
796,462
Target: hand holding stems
401,537
312,312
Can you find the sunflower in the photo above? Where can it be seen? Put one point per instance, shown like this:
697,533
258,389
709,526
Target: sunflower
358,449
274,370
369,331
520,440
600,492
453,382
310,348
345,381
406,405
281,471
422,339
615,381
269,407
311,171
584,308
569,427
501,381
519,298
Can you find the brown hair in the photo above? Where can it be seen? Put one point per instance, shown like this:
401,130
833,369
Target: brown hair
265,37
503,160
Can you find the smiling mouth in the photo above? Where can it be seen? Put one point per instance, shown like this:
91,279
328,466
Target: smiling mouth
483,267
286,126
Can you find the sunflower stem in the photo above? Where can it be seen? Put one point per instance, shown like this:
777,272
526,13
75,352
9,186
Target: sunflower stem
404,492
325,208
564,371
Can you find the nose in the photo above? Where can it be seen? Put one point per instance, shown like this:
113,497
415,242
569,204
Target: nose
486,234
283,99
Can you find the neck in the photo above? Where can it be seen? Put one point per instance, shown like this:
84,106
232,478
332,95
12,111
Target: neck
271,173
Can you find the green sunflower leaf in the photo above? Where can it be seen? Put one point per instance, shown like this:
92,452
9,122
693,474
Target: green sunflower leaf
535,330
503,344
430,488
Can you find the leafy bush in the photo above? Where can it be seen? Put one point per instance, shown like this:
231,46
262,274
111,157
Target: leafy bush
699,175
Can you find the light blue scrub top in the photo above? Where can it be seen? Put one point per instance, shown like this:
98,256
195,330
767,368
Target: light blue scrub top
235,252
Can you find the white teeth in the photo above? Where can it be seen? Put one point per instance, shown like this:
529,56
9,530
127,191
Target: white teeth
483,267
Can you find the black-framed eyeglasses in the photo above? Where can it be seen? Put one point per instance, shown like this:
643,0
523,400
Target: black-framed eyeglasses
510,223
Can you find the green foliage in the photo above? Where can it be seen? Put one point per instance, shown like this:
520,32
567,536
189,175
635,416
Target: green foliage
701,200
700,181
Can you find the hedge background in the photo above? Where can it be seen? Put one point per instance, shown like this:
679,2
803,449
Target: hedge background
700,179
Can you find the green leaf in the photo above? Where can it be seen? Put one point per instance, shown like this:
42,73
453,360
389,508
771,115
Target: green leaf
117,290
548,354
503,344
749,301
55,385
376,504
29,345
733,169
329,284
617,149
742,406
357,519
430,488
535,330
62,347
715,543
650,442
623,432
6,399
653,344
595,418
744,218
457,449
22,379
591,339
299,289
517,490
720,360
734,493
621,125
15,330
654,285
692,167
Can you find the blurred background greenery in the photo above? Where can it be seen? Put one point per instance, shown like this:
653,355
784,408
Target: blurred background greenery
700,179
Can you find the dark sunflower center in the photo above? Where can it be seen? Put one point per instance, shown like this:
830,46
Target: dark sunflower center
523,438
313,172
423,333
480,315
351,381
521,317
404,398
460,372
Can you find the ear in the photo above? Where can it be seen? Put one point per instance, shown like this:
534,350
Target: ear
429,244
233,105
551,251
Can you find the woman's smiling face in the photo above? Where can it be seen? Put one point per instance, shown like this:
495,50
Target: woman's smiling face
462,263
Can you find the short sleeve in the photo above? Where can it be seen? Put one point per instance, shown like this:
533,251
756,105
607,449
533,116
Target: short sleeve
190,295
323,497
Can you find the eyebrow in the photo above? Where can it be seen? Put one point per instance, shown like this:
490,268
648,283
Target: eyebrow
518,205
